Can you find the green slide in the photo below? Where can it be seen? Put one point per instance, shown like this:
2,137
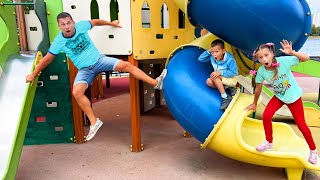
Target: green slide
16,98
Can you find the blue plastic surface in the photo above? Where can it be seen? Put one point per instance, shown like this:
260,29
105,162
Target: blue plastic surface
247,23
242,23
193,104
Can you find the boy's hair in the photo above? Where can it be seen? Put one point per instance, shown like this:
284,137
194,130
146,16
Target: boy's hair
63,15
271,48
218,42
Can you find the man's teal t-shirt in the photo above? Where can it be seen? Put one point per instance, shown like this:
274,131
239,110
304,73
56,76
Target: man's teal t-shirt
79,48
284,85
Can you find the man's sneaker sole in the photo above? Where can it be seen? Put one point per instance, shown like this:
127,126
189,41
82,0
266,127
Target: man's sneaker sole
99,126
163,74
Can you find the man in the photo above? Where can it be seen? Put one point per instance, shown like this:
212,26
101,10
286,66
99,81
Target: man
74,40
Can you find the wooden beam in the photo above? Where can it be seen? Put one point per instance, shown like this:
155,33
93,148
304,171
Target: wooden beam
78,115
22,27
135,110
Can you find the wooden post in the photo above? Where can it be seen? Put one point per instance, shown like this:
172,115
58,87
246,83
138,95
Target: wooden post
100,86
78,115
21,27
107,79
135,110
94,88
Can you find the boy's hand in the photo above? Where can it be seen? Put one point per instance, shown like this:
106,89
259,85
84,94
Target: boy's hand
286,47
215,74
116,23
251,107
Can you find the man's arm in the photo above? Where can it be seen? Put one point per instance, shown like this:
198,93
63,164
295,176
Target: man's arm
100,22
44,62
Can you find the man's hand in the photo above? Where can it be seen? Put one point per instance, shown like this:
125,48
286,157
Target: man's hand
116,23
30,78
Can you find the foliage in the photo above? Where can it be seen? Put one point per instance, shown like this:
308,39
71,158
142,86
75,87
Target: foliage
315,31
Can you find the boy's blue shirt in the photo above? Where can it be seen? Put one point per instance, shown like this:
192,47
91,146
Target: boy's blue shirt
227,67
285,86
79,48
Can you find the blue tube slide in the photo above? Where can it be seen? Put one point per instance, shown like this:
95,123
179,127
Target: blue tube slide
242,23
247,23
193,104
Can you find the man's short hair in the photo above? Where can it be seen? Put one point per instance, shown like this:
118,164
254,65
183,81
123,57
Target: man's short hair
218,42
63,15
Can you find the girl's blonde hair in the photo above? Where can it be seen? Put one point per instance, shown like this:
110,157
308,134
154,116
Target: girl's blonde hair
271,48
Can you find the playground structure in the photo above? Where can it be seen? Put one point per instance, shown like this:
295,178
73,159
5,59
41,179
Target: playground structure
54,111
165,32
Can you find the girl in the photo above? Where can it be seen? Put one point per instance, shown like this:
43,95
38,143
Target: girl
277,72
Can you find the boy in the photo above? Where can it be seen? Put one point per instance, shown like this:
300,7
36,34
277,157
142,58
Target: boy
77,44
225,71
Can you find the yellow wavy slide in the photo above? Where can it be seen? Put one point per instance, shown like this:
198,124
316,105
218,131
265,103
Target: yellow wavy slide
311,110
236,135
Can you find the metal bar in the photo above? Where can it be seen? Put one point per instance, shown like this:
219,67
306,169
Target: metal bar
16,3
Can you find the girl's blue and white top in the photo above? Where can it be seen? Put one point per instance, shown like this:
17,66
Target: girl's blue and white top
284,84
79,48
227,67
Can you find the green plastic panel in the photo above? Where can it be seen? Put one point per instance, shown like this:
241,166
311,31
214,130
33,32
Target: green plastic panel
8,41
309,67
40,9
94,9
54,7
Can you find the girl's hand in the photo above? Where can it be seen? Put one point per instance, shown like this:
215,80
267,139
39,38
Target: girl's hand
251,107
286,47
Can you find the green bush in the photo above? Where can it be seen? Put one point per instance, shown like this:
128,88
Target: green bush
315,31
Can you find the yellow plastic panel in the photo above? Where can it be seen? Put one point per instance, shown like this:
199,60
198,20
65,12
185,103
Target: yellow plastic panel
236,136
145,42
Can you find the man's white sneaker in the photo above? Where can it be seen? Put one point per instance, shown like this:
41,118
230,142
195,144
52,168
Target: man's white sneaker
94,129
265,146
160,79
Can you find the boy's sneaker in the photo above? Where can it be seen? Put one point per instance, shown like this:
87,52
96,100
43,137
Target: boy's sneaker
232,91
313,158
265,146
94,129
160,80
225,102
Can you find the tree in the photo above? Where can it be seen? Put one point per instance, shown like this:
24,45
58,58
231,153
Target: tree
318,30
313,30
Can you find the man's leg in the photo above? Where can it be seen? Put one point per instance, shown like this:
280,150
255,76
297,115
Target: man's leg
135,72
84,103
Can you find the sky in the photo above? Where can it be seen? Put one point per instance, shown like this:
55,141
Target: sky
314,5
